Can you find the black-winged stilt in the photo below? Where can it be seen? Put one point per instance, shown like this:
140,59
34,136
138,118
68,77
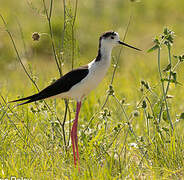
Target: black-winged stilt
79,82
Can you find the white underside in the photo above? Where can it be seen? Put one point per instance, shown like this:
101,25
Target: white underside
97,71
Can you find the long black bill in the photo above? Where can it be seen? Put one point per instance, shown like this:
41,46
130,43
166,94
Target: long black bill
120,42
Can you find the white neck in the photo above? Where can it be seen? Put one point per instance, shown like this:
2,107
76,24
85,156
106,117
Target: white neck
104,52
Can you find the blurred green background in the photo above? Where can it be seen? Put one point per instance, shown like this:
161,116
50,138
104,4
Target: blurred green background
93,18
148,19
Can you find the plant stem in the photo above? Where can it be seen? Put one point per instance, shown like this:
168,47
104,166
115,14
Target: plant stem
49,15
129,125
164,93
63,124
73,38
119,54
147,122
170,71
17,53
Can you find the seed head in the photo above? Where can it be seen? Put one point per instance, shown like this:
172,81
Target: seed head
36,36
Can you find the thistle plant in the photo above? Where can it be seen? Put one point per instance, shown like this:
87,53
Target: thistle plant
159,109
165,39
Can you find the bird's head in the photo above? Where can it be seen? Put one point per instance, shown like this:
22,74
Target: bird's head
110,39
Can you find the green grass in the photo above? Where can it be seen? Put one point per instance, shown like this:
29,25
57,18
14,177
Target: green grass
121,138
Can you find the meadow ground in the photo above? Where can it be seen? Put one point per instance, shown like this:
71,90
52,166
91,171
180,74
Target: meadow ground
131,128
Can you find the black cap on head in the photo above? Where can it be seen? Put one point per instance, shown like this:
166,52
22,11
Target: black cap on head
112,33
107,34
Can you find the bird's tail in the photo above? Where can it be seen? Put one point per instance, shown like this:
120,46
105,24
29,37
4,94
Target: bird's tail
49,91
30,99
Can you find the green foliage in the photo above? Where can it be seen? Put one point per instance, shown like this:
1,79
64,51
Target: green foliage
125,132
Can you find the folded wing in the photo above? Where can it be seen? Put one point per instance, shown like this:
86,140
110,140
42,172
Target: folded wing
63,84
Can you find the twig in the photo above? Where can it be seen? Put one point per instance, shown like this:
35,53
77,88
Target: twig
22,37
63,32
49,15
119,54
73,39
17,53
63,124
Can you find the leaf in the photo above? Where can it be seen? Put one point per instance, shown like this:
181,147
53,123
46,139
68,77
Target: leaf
180,57
153,48
167,68
166,31
176,57
165,129
182,115
169,96
174,75
176,82
145,84
171,81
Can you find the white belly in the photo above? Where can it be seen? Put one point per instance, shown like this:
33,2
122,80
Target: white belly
96,73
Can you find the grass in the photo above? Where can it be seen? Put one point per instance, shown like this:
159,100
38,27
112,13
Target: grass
130,127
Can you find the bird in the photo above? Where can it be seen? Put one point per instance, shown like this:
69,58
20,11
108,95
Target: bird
79,82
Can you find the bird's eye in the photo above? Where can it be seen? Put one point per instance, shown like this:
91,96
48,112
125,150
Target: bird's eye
112,37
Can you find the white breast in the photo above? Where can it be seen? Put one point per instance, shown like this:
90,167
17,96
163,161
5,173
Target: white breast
97,71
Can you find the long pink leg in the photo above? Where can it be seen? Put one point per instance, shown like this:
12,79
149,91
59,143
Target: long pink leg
74,134
73,146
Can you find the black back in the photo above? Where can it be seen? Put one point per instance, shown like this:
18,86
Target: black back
63,84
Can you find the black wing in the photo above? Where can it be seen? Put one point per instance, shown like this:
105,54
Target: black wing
62,85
